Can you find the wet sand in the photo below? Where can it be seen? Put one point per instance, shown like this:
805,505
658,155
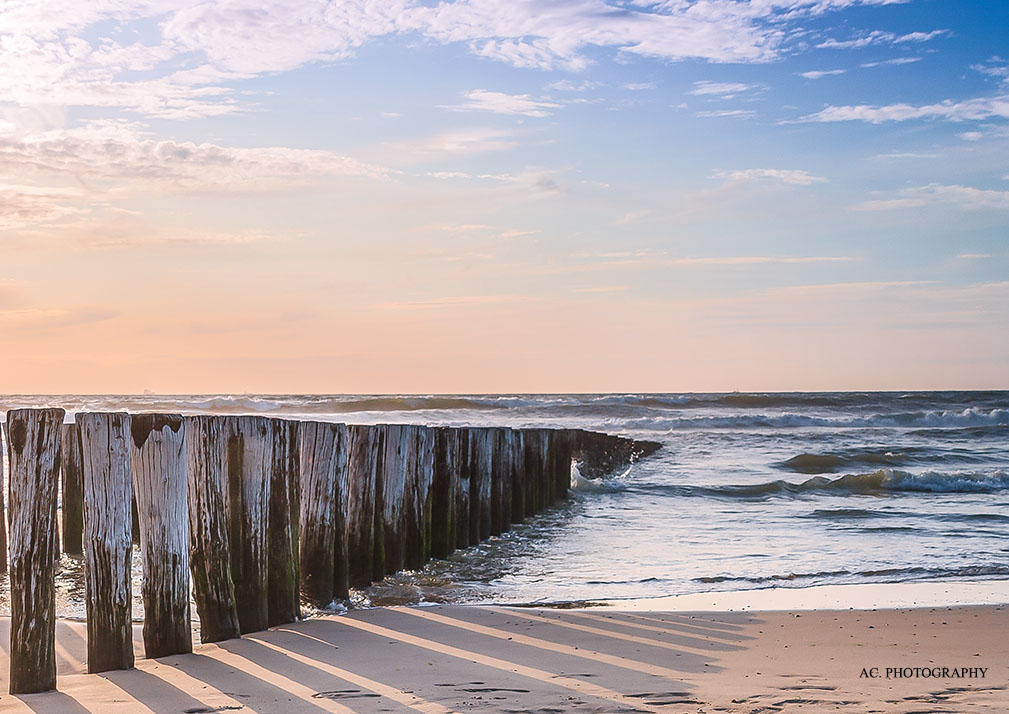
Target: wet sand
496,659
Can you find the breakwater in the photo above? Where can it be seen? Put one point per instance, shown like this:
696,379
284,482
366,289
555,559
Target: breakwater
254,513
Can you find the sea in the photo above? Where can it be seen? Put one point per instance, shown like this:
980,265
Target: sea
748,491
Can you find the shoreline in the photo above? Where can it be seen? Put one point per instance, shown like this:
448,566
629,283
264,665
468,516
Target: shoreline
481,658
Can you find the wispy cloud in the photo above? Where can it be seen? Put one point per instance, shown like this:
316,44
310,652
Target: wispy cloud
877,37
960,197
739,113
501,103
792,177
117,156
970,109
894,61
820,73
723,90
451,144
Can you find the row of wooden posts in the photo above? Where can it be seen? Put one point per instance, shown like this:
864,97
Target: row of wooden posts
253,512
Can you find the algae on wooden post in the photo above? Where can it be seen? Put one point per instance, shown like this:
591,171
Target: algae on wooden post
209,537
323,549
33,450
157,454
249,458
364,459
444,484
71,484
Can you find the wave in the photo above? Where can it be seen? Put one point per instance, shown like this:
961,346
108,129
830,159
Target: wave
917,573
879,482
969,417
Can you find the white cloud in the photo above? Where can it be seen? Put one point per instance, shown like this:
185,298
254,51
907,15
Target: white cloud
724,90
895,60
970,109
741,113
450,144
974,256
22,205
791,177
501,103
639,86
116,156
566,85
961,197
820,73
877,37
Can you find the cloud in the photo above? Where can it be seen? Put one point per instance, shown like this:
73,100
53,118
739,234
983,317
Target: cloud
820,73
877,37
791,177
895,60
638,86
723,90
501,103
974,256
455,301
117,157
970,109
194,52
566,85
451,144
39,319
741,113
961,197
22,205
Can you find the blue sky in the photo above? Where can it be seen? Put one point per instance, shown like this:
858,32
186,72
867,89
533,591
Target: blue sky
469,196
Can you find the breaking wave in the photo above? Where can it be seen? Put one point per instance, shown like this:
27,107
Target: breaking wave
878,482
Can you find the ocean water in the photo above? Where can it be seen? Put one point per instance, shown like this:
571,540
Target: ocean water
748,491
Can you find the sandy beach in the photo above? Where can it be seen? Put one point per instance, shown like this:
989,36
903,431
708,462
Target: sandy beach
466,658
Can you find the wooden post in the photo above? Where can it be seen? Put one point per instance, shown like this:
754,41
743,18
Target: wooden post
417,505
390,494
481,447
209,537
283,524
108,527
72,484
563,443
519,468
33,450
536,442
444,484
364,459
159,482
502,478
464,487
3,518
249,458
323,512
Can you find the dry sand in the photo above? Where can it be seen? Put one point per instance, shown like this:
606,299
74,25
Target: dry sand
495,659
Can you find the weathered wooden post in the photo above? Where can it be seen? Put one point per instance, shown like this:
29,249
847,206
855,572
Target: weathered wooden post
390,495
481,447
72,485
108,527
536,459
3,517
283,524
158,458
249,459
444,484
324,556
564,444
209,534
364,459
417,511
34,455
502,478
519,468
464,487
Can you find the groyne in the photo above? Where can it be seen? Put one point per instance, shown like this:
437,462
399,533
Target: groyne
253,514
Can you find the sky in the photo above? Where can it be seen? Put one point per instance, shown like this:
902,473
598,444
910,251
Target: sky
468,196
